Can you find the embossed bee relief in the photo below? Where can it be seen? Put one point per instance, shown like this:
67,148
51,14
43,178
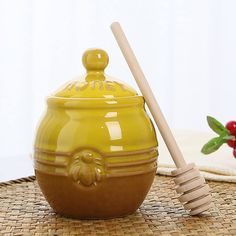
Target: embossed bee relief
86,168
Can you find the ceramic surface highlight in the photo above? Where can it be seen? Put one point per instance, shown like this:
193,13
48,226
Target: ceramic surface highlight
95,148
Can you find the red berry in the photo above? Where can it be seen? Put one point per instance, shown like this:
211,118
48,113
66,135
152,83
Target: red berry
234,152
232,143
231,126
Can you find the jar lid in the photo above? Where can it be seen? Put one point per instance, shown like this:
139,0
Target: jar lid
95,83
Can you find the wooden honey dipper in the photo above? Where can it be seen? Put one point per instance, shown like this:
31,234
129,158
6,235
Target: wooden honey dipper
195,193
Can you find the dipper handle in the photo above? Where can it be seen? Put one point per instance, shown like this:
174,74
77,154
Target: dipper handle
148,95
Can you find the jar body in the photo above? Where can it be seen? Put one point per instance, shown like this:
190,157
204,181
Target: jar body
95,158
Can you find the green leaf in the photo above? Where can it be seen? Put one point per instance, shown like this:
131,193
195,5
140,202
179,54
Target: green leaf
216,126
227,137
213,145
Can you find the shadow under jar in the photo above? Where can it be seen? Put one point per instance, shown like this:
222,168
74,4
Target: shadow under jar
95,150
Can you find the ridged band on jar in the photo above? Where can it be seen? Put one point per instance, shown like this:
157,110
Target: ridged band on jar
88,166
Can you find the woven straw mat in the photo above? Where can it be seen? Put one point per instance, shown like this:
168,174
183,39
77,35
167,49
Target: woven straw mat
24,211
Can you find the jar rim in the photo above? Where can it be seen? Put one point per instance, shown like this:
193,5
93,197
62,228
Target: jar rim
70,103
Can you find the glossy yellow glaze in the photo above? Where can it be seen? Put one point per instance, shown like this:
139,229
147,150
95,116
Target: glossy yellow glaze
95,128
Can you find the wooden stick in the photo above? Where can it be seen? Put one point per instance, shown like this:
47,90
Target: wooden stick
148,95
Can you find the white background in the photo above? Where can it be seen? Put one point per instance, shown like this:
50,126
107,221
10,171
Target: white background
187,49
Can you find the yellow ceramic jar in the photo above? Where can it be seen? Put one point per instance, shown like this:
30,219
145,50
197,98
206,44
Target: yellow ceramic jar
95,148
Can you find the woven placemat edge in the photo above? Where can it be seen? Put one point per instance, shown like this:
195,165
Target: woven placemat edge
18,181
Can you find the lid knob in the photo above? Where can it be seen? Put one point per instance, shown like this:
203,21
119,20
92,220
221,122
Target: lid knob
95,59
